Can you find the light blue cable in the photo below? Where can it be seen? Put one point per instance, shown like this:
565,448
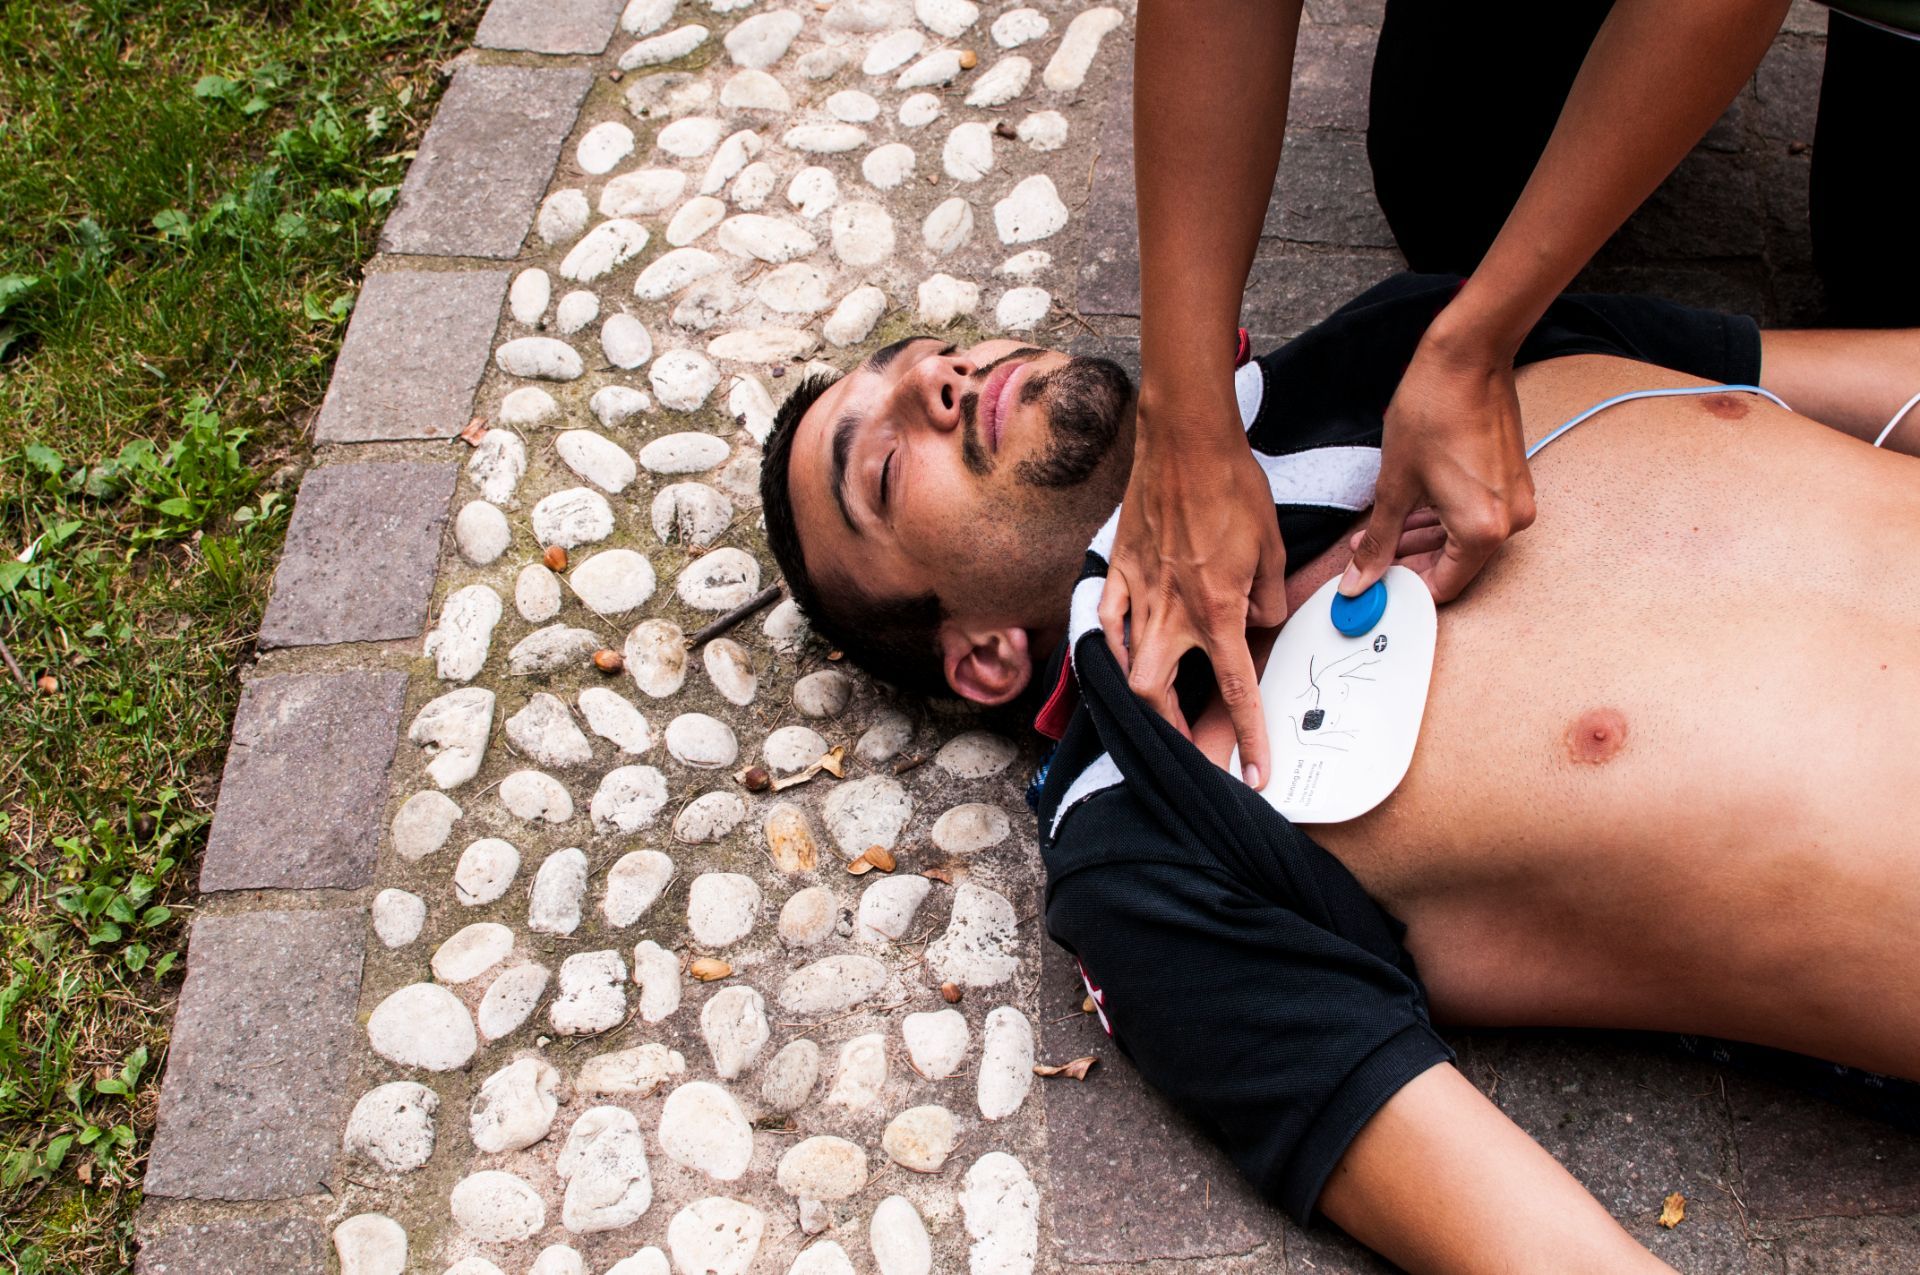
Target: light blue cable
1677,392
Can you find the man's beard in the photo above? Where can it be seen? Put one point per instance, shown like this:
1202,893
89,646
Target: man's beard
1089,398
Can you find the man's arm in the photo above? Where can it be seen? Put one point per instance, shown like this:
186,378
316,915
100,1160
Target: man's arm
1440,1180
1198,556
1656,78
1853,381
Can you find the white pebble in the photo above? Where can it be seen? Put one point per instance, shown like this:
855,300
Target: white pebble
721,908
851,106
887,908
528,296
656,657
500,461
1022,309
754,90
822,1168
460,641
684,453
975,754
936,1042
657,971
703,742
752,187
510,999
692,137
892,51
824,139
423,1025
596,458
821,64
613,582
861,1073
485,871
612,716
977,948
763,39
398,916
735,153
946,17
799,288
792,748
604,146
628,1073
813,191
607,246
853,319
788,1080
764,238
496,1207
823,694
692,513
708,818
682,380
453,731
628,799
1032,211
943,298
576,310
832,984
899,1239
733,1022
634,884
715,1236
948,226
763,344
1026,265
695,218
481,532
919,110
1043,130
941,67
592,995
551,649
608,1183
730,669
471,951
891,731
544,731
392,1126
1068,69
785,626
573,517
553,907
563,216
886,167
1002,1208
720,580
536,797
672,271
862,233
644,17
1016,27
1001,82
971,828
559,1259
866,812
1006,1063
642,193
515,1106
920,1138
659,49
624,340
614,404
706,303
702,1127
525,407
808,917
863,15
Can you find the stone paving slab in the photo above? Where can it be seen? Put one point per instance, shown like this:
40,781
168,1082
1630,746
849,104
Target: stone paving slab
360,555
413,357
485,161
1132,1178
255,1089
305,783
1865,1166
229,1246
548,26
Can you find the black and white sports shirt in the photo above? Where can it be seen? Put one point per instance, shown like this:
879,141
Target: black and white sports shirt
1238,963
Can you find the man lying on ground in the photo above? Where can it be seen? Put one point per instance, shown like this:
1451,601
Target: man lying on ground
1665,778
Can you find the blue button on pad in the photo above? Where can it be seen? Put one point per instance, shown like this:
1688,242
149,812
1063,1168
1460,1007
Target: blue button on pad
1355,616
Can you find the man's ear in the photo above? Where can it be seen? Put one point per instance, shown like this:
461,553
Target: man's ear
988,665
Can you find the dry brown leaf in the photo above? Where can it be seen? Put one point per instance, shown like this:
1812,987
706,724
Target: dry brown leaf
880,857
835,762
860,867
1673,1211
707,969
796,779
475,431
1075,1070
941,875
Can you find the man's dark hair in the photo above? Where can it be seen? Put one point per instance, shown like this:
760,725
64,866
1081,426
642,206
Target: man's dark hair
895,639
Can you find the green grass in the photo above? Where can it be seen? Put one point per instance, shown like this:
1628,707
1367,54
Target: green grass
190,191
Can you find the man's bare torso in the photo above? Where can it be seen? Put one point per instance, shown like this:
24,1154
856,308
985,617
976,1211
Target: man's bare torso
1667,777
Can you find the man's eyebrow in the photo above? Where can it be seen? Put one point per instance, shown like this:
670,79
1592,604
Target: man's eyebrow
842,450
878,360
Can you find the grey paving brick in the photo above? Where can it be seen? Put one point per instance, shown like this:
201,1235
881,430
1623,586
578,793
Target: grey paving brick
360,554
1703,211
256,1085
1291,288
1324,193
1110,261
414,354
1848,1246
1802,1157
275,1245
1130,1178
305,783
486,161
549,26
1786,89
1332,67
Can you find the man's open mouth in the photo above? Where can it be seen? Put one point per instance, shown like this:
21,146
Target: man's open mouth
996,397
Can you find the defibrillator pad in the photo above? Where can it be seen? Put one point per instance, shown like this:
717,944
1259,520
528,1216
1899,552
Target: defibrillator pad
1343,713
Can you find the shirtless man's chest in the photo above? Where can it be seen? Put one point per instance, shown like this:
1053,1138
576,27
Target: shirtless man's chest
1669,773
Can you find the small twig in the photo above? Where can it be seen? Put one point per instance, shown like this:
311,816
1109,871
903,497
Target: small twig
14,665
765,598
211,398
902,766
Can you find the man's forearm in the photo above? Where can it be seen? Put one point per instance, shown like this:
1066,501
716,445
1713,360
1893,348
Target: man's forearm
1211,80
1657,77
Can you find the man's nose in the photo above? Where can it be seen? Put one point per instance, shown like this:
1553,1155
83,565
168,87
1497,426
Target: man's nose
939,387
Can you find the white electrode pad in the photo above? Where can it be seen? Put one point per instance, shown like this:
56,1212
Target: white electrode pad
1343,713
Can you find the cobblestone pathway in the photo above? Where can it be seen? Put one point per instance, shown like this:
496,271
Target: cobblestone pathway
502,965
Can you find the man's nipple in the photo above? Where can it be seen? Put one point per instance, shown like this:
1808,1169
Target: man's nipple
1596,736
